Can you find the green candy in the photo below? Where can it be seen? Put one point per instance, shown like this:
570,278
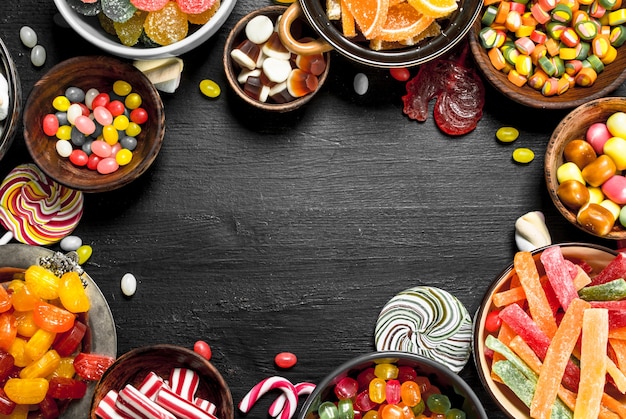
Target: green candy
610,291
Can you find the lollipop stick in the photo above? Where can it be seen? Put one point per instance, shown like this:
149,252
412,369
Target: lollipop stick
6,238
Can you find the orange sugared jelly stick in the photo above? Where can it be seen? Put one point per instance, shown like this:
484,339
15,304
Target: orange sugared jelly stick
619,349
614,405
595,336
617,333
557,357
524,325
559,275
505,334
538,304
347,21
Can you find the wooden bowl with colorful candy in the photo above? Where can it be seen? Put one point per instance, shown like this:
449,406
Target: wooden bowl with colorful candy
162,378
262,72
368,381
575,55
94,123
546,334
585,163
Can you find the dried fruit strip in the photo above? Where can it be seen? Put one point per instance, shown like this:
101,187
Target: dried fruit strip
595,334
556,359
559,275
538,304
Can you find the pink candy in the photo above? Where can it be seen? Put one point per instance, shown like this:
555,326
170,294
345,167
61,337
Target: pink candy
597,135
615,189
266,385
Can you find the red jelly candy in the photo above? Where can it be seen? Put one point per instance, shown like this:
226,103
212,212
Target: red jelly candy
363,403
79,157
139,116
102,99
346,388
92,163
50,125
90,366
194,7
48,408
116,107
6,364
400,73
203,349
66,388
6,404
493,321
365,377
66,343
285,360
149,5
406,373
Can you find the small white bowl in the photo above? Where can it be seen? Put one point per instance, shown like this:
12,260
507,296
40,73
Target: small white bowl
89,28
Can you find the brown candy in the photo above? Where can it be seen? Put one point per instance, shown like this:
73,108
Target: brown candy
301,83
246,54
599,171
596,219
573,194
314,63
579,152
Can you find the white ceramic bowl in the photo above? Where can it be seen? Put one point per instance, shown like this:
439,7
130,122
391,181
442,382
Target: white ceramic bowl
89,28
8,126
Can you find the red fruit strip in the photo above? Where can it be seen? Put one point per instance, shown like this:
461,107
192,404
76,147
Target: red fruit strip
614,270
527,329
195,7
91,366
559,275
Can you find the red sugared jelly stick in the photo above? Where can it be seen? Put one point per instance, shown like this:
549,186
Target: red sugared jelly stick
558,273
614,270
522,324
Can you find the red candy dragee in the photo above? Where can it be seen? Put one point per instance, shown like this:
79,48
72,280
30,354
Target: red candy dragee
36,209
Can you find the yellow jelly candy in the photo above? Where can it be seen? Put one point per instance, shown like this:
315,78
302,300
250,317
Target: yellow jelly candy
209,88
130,31
167,25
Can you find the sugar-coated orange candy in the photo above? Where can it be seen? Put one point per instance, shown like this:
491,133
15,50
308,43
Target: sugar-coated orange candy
167,25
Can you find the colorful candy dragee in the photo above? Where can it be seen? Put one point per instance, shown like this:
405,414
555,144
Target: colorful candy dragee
42,326
149,23
97,130
559,342
552,45
427,321
155,397
283,407
387,390
268,71
37,210
591,178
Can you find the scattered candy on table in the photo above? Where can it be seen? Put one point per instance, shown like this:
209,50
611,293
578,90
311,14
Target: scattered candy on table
523,155
285,360
37,210
531,231
591,178
93,129
361,84
268,73
203,349
400,73
209,88
427,321
507,134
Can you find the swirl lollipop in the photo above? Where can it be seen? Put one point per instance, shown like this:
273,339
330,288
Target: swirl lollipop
427,321
35,209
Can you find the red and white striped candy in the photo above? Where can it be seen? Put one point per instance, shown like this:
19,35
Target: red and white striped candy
151,385
278,405
266,385
184,382
179,406
132,398
205,405
107,409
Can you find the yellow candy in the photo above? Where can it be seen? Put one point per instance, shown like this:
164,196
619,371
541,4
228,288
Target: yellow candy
43,367
122,88
595,195
612,207
61,103
84,253
121,122
133,101
110,134
42,282
72,293
64,132
18,351
617,17
65,369
523,155
209,88
133,129
39,343
568,171
26,391
616,124
123,157
615,148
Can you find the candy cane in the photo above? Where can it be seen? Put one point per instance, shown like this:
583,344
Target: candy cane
151,385
278,405
184,382
266,385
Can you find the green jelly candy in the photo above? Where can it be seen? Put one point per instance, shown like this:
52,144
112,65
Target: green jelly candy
455,414
496,345
345,409
610,291
130,31
438,403
118,10
523,155
328,410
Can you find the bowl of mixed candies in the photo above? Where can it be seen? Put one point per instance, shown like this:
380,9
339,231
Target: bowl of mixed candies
547,337
94,123
585,167
145,29
396,384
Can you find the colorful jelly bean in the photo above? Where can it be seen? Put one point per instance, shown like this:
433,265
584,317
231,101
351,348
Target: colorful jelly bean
285,360
84,253
400,73
28,36
202,348
507,134
523,155
211,89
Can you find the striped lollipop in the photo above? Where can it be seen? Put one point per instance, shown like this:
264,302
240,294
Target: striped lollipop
35,209
427,321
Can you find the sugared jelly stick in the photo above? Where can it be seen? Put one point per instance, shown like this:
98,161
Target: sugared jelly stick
130,397
505,334
106,408
614,270
151,385
595,335
559,275
184,382
556,359
528,330
266,385
179,406
538,304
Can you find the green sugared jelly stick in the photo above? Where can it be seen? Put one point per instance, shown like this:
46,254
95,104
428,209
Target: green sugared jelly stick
525,388
609,291
497,345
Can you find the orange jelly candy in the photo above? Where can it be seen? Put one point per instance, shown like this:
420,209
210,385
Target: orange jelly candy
167,25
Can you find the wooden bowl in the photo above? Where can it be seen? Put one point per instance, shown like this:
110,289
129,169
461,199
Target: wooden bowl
132,367
98,72
572,127
596,256
232,69
9,125
609,80
460,393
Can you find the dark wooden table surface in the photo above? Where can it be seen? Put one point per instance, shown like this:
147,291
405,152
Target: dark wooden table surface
266,233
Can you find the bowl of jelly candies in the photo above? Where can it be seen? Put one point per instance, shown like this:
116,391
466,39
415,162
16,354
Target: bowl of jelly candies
585,167
262,72
390,384
531,351
94,148
145,29
164,377
10,99
561,53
